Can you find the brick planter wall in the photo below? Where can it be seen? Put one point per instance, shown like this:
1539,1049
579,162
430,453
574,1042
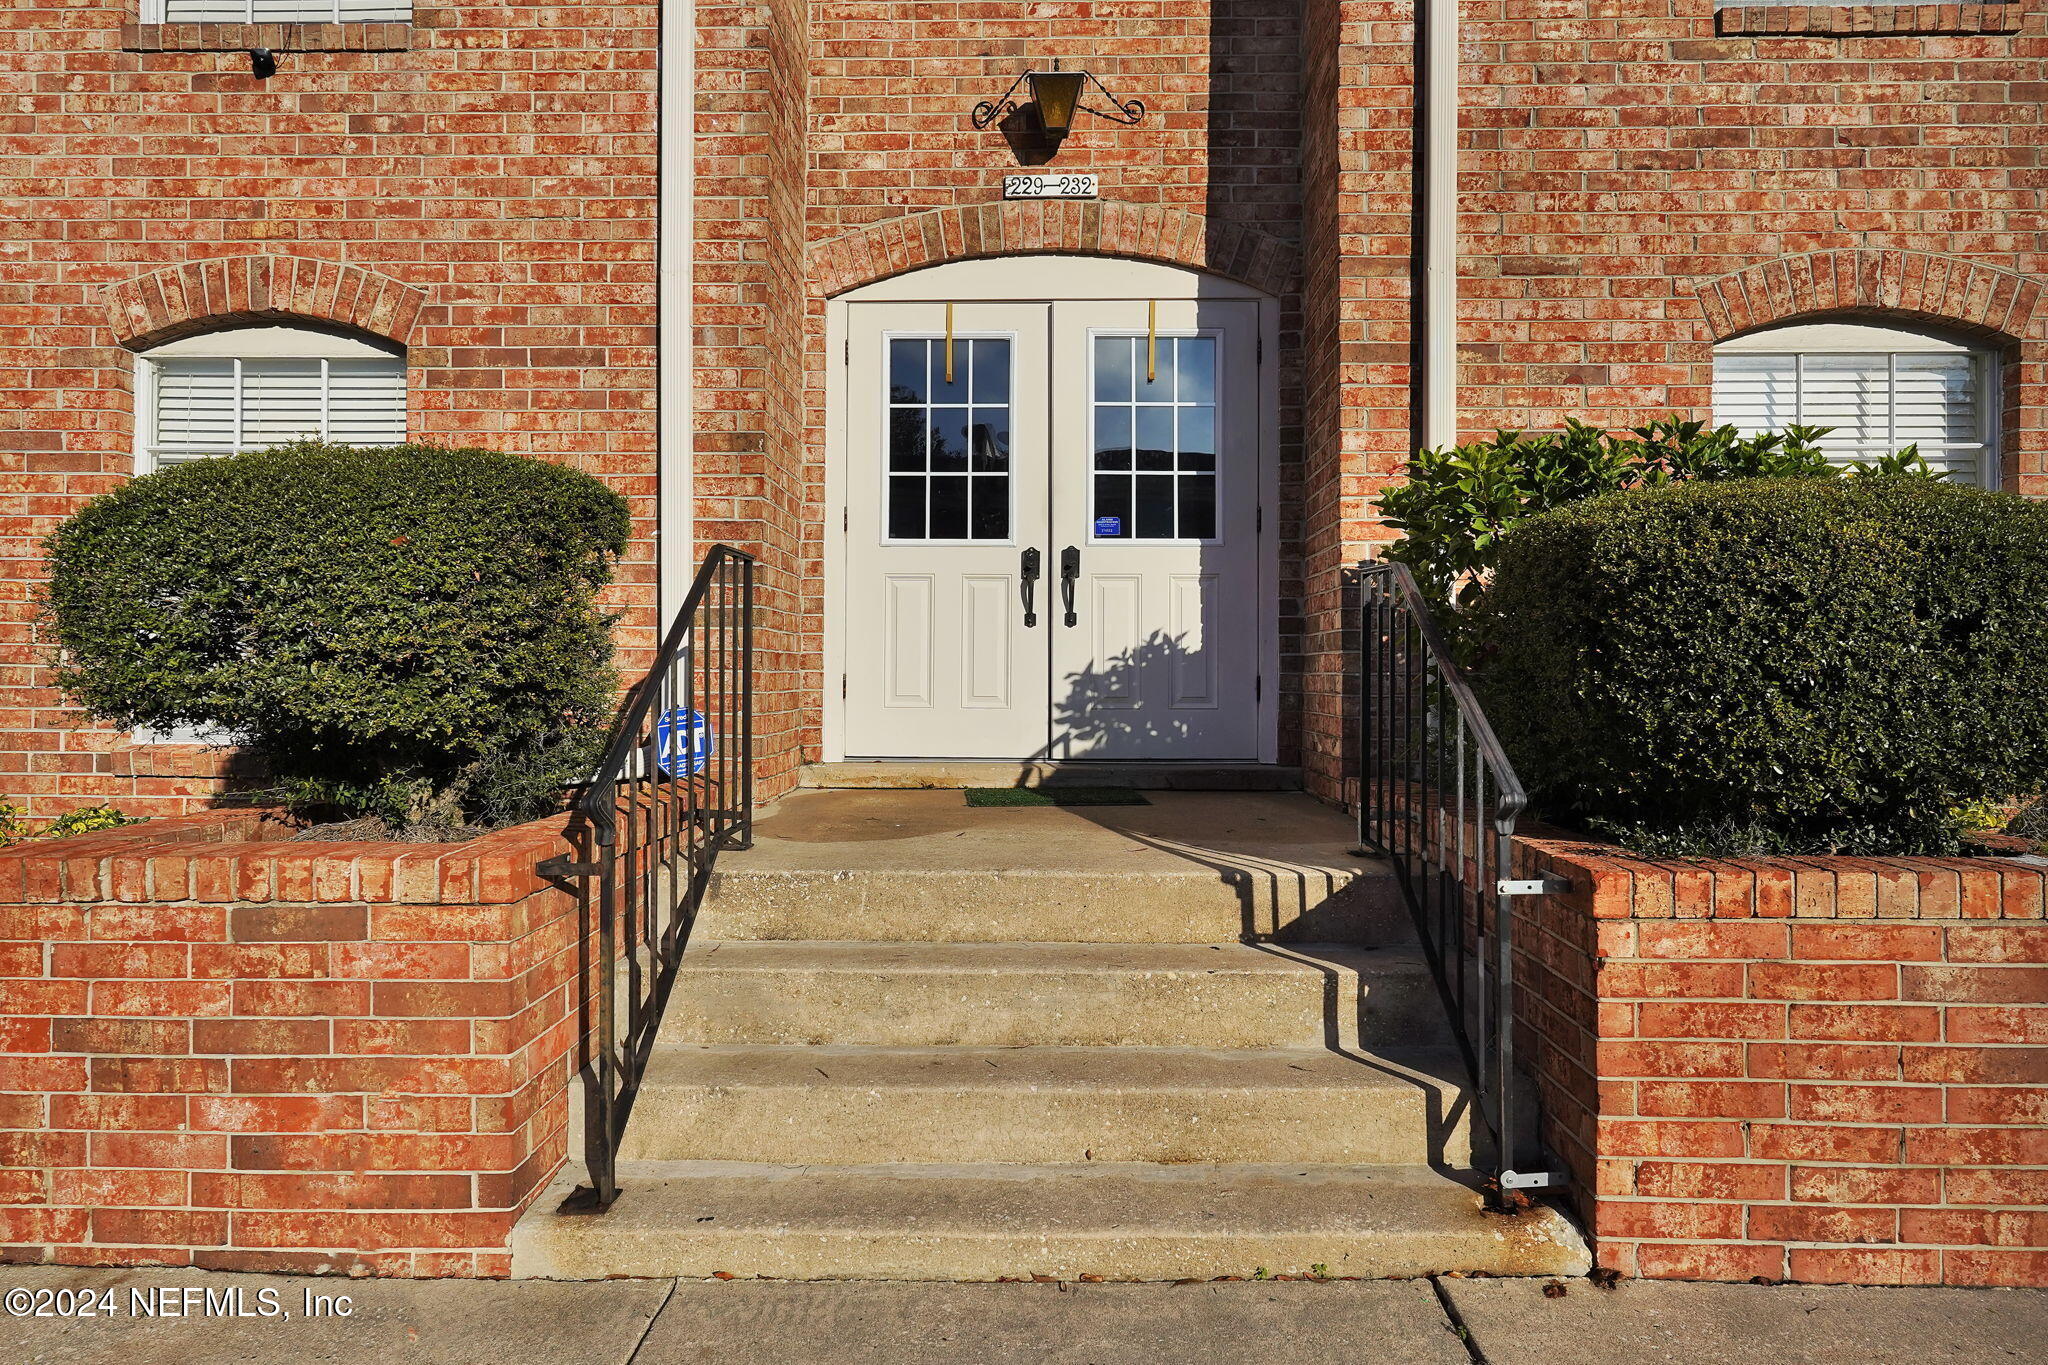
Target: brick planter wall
1823,1069
223,1050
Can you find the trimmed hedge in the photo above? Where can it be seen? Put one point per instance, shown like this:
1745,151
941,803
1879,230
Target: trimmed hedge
1774,665
407,631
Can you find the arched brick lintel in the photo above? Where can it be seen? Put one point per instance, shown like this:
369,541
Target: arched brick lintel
1106,227
201,295
1918,284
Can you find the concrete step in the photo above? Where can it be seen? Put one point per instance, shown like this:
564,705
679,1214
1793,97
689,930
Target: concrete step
856,1106
981,1222
923,866
1053,995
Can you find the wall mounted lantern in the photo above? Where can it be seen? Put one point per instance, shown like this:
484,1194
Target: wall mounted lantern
1055,96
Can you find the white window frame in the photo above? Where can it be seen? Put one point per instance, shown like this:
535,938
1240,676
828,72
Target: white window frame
239,344
157,11
1799,340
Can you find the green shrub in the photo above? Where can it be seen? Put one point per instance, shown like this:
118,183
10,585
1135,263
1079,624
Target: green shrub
88,820
13,827
1774,665
1457,503
386,628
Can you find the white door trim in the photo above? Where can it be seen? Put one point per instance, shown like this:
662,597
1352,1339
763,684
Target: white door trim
1049,279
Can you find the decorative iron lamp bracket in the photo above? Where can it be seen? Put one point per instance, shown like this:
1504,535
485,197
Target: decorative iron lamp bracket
1056,95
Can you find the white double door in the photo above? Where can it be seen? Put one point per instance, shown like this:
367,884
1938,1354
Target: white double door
1052,531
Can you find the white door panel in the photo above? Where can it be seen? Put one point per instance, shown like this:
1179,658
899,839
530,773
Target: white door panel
947,484
1156,486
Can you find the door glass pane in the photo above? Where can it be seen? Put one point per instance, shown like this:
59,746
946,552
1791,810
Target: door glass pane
949,440
906,371
906,507
991,508
949,459
1155,438
954,390
991,373
988,438
1198,438
1112,369
1164,433
1112,437
949,508
1156,384
1195,369
1113,507
1198,506
1155,506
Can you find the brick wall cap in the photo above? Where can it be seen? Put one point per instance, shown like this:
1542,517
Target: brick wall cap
1606,876
495,868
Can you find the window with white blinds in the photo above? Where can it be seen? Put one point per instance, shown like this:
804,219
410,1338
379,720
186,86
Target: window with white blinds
277,11
245,390
1880,388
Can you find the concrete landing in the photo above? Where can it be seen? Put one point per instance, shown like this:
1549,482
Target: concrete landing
910,775
924,866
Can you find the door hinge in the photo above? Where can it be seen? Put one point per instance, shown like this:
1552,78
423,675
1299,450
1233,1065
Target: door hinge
842,687
846,518
1259,520
1261,359
846,350
1258,687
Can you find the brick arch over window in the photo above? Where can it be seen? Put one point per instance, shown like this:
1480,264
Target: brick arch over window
1981,298
1109,227
202,295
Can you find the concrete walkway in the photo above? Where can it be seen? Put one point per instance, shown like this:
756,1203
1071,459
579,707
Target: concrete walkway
210,1318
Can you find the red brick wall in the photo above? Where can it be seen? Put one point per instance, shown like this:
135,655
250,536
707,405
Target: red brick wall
1613,165
1619,170
311,1057
499,166
1825,1070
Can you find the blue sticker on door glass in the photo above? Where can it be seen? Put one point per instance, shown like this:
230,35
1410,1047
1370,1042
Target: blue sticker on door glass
1109,526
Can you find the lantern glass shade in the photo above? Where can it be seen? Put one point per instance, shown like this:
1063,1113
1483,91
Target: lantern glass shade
1056,93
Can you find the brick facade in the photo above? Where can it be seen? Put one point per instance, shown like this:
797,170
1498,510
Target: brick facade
481,184
1829,1070
477,184
225,1051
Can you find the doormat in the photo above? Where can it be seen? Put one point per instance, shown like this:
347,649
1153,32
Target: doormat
1056,796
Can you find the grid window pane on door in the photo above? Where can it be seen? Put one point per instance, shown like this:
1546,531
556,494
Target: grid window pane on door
949,439
218,406
1876,401
1153,467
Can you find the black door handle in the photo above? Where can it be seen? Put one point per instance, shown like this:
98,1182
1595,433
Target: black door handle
1070,573
1028,571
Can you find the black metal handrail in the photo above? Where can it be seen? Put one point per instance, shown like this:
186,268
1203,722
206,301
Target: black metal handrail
675,789
1439,799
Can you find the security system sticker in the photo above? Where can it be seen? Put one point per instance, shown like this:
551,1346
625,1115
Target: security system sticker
1109,526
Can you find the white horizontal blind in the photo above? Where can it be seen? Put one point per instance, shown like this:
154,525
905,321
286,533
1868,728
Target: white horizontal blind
1877,402
208,406
283,11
